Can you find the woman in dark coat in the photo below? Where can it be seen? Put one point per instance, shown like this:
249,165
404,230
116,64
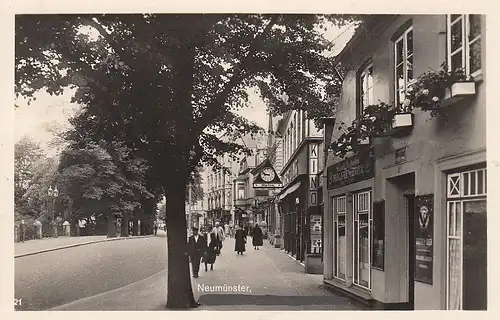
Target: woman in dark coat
240,240
257,237
211,253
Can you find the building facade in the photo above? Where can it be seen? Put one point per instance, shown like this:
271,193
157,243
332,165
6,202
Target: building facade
247,198
219,192
405,219
299,207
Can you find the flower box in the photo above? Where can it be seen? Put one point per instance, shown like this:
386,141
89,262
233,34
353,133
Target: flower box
457,92
402,120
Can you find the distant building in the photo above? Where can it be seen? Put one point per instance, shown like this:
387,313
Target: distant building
300,199
220,191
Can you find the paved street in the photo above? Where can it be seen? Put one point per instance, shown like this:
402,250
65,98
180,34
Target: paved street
54,278
274,282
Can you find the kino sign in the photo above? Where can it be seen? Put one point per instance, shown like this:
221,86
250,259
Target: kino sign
313,174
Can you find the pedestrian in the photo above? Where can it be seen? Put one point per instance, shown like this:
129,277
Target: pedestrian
219,232
211,252
257,237
155,227
197,247
226,229
240,240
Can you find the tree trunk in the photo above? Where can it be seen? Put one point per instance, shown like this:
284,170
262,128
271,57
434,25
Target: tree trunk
179,292
111,225
124,226
135,228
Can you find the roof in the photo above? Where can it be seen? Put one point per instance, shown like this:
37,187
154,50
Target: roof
368,25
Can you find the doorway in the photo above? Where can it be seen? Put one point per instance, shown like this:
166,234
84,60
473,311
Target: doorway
410,210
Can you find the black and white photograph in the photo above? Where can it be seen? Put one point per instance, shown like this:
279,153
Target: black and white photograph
239,161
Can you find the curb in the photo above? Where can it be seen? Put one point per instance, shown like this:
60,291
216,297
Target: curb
80,244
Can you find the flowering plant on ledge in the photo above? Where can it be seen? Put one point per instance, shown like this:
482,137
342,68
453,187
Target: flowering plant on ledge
427,92
375,121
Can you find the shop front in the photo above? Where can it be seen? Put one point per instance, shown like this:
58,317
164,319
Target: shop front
348,224
292,202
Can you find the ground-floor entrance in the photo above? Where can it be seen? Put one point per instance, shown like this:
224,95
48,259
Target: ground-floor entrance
466,272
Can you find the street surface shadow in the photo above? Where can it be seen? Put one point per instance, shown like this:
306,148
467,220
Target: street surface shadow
269,300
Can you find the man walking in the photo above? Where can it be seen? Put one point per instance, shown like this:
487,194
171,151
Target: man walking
197,248
219,232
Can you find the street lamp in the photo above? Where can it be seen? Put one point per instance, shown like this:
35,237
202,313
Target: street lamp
53,194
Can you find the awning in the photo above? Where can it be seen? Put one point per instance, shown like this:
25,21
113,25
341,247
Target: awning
289,190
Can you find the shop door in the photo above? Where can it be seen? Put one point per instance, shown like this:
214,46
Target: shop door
305,236
466,279
474,251
293,235
410,200
286,232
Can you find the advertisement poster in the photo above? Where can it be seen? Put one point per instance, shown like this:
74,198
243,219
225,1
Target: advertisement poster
315,232
378,249
424,234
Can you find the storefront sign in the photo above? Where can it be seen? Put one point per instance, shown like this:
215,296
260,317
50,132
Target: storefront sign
378,234
357,168
313,174
424,234
313,198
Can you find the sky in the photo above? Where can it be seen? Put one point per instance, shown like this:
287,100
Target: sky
54,111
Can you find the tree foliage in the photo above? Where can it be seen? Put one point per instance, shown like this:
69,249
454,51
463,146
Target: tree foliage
34,172
102,179
27,154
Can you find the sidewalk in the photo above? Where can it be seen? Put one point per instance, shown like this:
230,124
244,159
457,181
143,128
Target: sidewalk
40,245
266,279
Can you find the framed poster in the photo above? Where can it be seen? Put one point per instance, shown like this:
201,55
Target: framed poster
378,249
424,236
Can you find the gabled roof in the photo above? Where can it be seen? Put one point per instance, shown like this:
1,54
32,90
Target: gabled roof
261,165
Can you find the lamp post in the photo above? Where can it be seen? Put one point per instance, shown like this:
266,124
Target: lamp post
53,194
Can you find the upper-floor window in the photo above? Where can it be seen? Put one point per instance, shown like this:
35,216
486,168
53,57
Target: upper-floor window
464,43
366,87
403,63
241,191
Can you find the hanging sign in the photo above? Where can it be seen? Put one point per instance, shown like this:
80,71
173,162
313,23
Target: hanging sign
266,176
313,174
424,234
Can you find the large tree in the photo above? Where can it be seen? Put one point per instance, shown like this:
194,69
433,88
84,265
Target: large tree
169,85
103,179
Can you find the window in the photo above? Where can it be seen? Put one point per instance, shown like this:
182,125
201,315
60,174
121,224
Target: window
366,87
464,43
294,130
403,64
340,211
466,243
362,239
241,191
304,124
299,125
